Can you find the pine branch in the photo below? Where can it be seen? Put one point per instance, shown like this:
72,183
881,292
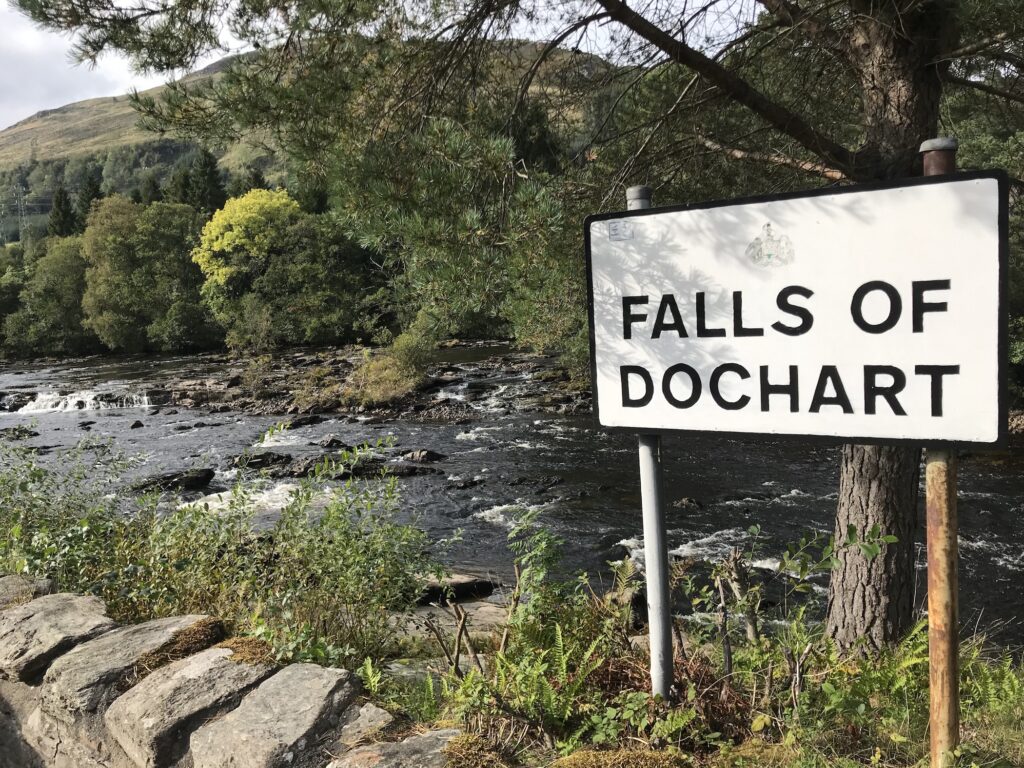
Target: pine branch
978,85
775,158
735,87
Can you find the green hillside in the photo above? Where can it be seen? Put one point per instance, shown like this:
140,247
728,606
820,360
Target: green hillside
90,127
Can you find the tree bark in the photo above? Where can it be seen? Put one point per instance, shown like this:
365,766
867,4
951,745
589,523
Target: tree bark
894,55
871,602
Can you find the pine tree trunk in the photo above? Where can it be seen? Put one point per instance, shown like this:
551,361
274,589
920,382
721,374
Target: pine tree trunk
871,602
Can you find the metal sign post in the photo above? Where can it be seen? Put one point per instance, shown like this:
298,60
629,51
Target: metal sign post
943,610
659,604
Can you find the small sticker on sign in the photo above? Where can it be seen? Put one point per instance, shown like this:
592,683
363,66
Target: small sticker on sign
620,229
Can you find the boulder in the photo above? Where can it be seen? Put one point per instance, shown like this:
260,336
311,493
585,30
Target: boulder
88,678
421,751
152,721
136,425
457,587
35,633
18,432
281,723
15,590
181,480
423,455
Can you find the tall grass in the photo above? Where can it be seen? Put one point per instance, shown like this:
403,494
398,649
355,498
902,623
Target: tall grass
322,583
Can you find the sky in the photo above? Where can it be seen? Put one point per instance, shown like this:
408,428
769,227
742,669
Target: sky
36,71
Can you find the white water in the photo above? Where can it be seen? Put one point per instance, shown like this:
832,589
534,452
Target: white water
85,400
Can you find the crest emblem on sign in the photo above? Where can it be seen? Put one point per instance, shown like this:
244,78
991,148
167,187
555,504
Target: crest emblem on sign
770,249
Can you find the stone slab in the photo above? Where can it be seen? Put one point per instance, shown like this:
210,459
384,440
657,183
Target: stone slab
421,751
152,722
279,724
35,633
360,722
88,678
16,590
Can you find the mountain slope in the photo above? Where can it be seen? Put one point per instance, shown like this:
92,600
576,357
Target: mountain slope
82,128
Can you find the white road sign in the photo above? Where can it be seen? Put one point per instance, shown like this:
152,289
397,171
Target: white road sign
871,313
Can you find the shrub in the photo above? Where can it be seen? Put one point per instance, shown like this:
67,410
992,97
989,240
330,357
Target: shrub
322,583
396,371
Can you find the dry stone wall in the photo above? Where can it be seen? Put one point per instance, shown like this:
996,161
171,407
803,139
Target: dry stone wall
77,691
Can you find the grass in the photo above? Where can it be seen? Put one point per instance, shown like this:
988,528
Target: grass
322,584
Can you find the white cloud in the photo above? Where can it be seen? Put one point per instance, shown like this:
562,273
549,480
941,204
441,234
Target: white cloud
37,72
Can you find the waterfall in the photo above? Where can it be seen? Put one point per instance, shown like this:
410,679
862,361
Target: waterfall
85,400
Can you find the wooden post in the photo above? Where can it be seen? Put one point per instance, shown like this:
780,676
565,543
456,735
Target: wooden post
943,587
659,604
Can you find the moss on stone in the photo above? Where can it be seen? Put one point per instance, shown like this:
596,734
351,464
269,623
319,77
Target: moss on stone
249,650
623,758
191,640
467,750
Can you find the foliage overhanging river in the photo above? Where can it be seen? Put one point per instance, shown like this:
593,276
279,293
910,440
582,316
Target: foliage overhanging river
506,458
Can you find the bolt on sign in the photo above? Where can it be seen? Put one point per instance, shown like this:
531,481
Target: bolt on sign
873,312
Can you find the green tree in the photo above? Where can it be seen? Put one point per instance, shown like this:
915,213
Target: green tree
250,178
149,189
63,221
50,318
205,190
89,192
12,280
179,184
276,275
141,287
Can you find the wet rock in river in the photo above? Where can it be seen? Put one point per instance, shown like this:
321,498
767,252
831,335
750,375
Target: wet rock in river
457,587
19,432
305,421
14,401
182,480
408,469
262,460
461,484
687,502
334,442
424,455
136,425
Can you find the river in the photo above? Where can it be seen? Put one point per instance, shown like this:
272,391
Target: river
507,457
